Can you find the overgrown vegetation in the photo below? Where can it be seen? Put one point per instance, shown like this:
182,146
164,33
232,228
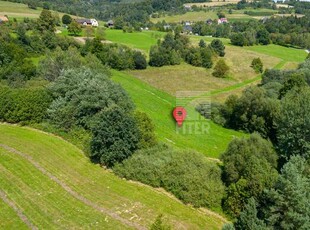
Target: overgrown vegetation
176,47
186,174
278,109
79,93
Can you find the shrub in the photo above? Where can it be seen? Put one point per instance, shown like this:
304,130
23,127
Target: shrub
23,105
139,60
257,65
66,19
218,46
115,136
146,128
220,69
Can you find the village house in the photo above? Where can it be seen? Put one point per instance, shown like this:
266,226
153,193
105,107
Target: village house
110,23
222,20
87,22
3,19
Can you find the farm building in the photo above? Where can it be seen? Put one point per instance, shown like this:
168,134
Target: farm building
222,20
110,23
3,19
87,22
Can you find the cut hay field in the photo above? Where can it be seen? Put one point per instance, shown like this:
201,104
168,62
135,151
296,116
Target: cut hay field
189,16
159,105
194,16
47,183
186,77
212,3
18,10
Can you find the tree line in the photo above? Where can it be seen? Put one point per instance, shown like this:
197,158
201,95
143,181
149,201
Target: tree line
260,172
70,91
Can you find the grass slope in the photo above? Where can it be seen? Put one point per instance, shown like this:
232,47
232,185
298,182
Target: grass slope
159,105
138,40
9,219
186,77
189,16
21,11
285,53
18,10
49,205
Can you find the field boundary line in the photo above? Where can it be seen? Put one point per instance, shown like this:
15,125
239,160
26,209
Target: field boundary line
19,212
70,191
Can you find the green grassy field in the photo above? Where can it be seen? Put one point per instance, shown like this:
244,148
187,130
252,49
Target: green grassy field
284,53
17,10
138,40
189,16
20,11
159,105
54,186
194,16
186,77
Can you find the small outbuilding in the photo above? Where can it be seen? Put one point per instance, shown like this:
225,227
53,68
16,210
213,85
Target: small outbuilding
3,19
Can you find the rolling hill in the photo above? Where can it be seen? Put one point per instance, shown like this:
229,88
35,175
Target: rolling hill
47,183
159,105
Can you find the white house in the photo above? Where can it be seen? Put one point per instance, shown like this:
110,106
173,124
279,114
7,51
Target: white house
88,22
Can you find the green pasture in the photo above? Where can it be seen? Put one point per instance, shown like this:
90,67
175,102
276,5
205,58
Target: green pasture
137,40
49,206
188,16
285,53
18,10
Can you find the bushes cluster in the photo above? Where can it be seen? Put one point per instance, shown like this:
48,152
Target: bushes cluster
91,100
23,105
279,110
175,48
188,175
116,56
14,62
169,51
260,107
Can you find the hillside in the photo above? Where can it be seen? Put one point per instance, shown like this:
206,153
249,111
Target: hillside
159,105
47,183
17,10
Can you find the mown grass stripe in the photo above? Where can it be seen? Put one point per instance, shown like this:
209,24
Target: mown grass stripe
19,212
133,201
70,191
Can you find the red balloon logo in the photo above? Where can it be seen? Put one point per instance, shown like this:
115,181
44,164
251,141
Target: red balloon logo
179,114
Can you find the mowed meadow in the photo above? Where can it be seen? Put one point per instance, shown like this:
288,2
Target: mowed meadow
159,106
185,77
63,190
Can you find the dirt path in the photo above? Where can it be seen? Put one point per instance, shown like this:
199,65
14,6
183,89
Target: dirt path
71,192
19,212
